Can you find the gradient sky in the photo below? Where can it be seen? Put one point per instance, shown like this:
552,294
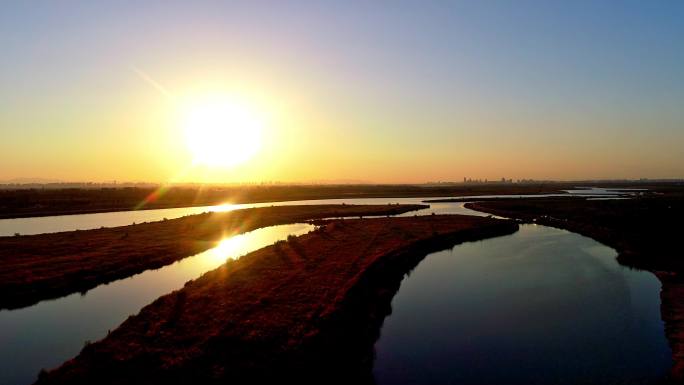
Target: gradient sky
375,91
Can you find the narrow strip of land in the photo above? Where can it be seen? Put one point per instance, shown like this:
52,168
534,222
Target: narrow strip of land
37,267
34,202
499,198
645,231
308,309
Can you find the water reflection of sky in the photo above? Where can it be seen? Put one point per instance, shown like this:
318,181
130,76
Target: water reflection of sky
541,306
58,223
48,333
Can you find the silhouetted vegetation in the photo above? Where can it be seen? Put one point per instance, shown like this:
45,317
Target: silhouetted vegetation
644,230
36,267
273,316
16,203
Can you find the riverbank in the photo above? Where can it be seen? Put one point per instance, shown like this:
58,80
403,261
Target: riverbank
487,199
46,201
644,231
38,267
308,309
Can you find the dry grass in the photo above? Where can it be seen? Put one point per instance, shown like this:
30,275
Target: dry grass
36,267
306,309
17,203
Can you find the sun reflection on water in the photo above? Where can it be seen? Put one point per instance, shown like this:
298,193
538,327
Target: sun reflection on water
225,207
235,246
231,248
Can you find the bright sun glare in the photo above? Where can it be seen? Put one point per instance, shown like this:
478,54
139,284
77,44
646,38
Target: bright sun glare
222,133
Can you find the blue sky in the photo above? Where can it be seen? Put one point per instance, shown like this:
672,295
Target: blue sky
419,90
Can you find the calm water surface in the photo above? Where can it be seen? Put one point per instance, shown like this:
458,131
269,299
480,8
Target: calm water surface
52,224
48,333
541,306
541,298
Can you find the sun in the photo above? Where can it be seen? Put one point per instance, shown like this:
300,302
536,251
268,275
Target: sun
222,132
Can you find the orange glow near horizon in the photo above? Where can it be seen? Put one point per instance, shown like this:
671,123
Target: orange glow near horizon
249,93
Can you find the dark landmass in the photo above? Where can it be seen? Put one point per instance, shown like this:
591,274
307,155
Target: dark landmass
308,310
476,199
30,202
38,267
17,203
645,231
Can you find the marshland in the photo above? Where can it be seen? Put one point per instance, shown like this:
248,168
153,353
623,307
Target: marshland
463,192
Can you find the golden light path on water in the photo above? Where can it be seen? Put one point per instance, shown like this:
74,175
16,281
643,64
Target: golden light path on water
235,246
47,334
231,248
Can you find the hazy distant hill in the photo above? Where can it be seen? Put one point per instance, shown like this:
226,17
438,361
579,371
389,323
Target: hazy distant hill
30,181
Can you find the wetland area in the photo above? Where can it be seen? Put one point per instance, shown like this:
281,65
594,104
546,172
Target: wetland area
402,290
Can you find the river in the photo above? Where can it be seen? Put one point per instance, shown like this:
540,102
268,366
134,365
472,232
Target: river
540,305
